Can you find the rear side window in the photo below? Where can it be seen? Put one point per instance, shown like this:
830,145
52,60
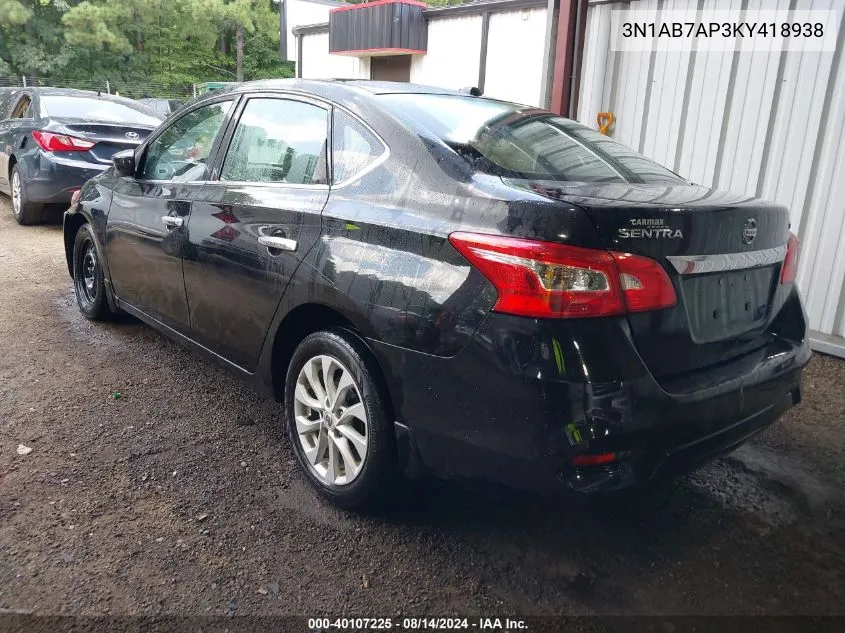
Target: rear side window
278,141
354,148
96,109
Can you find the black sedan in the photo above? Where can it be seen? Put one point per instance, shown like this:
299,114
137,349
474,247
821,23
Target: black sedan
433,282
52,140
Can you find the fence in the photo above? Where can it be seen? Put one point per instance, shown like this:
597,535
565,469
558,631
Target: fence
132,89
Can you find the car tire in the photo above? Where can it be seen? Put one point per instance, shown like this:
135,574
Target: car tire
88,280
25,211
349,453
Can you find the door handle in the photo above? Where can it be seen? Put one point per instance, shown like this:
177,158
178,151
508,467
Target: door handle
278,243
172,222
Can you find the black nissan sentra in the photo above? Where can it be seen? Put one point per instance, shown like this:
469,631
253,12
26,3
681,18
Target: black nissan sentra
438,283
52,140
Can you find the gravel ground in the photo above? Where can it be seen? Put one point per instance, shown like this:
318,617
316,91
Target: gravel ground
181,498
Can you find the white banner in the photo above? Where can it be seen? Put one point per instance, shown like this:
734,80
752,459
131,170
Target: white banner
721,30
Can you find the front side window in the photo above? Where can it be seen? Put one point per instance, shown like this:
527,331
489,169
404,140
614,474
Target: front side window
515,141
278,141
181,152
354,147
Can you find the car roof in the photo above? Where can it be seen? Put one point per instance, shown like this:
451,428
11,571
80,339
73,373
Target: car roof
335,89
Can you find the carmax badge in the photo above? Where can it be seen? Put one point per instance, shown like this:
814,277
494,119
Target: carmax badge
649,228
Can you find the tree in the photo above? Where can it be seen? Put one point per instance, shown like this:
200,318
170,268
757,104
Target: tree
133,42
241,18
31,39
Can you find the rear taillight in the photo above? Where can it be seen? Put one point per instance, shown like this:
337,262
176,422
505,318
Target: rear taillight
544,279
599,459
645,284
790,262
50,142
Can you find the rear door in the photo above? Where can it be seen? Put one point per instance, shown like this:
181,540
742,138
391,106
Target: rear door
252,225
16,111
6,97
147,225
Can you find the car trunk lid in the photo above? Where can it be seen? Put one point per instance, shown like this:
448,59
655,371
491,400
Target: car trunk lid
108,138
723,253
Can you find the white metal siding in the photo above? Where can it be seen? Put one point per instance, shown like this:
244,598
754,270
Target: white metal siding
317,63
515,42
454,46
303,13
775,130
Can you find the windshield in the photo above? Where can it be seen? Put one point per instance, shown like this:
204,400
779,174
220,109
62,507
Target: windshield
96,109
515,141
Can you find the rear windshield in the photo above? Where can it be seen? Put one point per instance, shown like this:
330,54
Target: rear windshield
515,141
98,110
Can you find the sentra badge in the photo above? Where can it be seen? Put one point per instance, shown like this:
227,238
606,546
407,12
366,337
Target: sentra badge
649,228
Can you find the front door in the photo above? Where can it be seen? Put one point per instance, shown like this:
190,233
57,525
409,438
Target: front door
250,229
147,227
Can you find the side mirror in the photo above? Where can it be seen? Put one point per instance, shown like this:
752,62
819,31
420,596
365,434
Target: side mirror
124,163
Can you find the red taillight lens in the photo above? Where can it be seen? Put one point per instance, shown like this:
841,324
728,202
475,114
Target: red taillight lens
543,279
790,262
50,142
644,282
594,460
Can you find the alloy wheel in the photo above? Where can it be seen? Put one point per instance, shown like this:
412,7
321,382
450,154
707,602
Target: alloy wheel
331,420
16,193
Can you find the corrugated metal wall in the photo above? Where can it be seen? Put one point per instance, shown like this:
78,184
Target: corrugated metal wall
769,125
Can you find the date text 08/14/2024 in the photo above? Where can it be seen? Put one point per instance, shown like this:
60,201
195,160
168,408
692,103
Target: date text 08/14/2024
414,624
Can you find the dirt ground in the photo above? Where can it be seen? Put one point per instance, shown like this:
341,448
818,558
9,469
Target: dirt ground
181,497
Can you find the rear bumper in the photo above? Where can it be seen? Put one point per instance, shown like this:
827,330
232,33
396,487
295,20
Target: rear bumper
525,397
50,178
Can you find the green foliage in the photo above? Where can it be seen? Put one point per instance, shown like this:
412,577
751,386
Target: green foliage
140,42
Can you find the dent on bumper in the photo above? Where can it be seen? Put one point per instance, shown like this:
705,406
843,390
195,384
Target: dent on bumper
497,413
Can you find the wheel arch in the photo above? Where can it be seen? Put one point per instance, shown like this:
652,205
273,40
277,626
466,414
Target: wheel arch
306,319
70,227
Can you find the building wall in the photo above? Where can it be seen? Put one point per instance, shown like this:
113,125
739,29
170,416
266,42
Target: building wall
454,46
515,55
767,124
318,64
303,13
